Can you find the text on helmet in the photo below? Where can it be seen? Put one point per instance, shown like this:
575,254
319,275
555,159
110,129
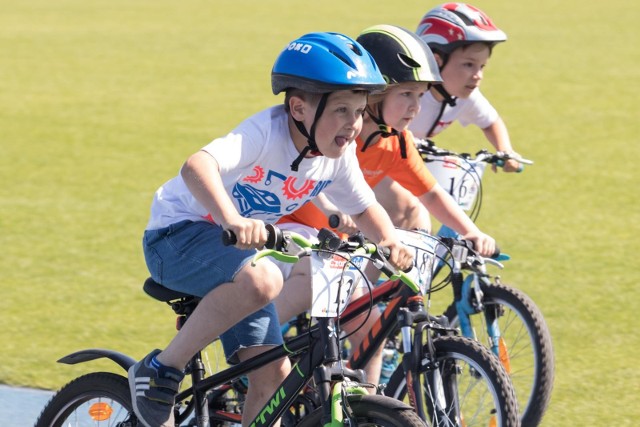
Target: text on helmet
299,47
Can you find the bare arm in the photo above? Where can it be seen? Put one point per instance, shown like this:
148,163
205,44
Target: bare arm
442,206
347,225
201,174
377,226
497,134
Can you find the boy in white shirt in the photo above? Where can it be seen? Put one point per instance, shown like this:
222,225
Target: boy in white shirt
268,166
462,38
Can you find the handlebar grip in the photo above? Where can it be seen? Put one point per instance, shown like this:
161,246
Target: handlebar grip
494,255
385,252
451,242
334,221
274,237
500,164
229,238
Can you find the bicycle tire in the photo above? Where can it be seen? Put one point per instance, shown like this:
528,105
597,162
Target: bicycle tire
484,392
372,410
532,361
95,397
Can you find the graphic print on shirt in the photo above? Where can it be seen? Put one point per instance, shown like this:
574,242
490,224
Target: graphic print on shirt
440,127
272,194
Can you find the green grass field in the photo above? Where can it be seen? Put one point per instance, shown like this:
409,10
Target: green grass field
101,102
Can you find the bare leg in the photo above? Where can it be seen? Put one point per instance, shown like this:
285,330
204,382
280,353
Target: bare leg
296,293
404,208
220,309
223,307
296,298
375,364
262,383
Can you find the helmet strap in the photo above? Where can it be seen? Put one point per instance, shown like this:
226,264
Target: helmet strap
451,100
312,146
385,131
439,87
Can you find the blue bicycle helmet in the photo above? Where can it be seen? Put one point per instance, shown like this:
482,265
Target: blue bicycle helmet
325,62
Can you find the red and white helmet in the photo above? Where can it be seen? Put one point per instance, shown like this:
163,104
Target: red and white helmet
451,25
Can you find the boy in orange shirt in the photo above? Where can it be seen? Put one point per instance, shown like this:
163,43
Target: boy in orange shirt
386,148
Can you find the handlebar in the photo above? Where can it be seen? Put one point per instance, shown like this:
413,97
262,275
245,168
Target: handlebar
334,221
463,252
499,158
279,245
451,243
274,237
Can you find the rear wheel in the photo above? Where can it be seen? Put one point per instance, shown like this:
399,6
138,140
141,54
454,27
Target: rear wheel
96,399
464,385
525,347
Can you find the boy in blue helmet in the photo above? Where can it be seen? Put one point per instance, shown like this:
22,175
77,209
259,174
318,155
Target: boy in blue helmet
269,165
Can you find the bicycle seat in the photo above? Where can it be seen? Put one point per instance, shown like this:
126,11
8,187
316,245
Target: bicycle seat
157,291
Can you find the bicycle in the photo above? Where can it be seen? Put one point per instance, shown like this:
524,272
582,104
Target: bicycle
512,325
104,397
430,349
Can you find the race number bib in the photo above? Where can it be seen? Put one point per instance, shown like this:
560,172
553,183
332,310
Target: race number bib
333,283
459,177
424,247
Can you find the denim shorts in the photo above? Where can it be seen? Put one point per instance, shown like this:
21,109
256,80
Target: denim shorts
189,257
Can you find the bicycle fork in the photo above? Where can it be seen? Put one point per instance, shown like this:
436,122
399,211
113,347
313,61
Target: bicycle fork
435,397
469,301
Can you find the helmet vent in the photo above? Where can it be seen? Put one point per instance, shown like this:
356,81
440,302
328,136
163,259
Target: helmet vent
408,61
355,49
463,17
341,58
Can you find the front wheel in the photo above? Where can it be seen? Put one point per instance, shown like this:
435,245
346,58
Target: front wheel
96,399
525,347
372,411
464,384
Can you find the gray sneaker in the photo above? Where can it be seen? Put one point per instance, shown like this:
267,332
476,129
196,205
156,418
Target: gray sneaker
153,395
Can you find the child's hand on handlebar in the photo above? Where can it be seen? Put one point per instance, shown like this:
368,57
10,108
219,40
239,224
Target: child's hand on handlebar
484,244
345,224
511,163
400,257
249,233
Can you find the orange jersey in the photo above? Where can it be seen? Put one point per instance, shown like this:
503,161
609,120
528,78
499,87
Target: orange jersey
377,161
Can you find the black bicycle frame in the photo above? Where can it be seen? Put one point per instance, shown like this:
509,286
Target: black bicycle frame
318,346
404,310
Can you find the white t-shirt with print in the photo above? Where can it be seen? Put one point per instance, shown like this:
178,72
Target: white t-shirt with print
255,166
473,110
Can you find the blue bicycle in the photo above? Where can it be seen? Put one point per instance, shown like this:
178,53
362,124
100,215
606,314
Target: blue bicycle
501,316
